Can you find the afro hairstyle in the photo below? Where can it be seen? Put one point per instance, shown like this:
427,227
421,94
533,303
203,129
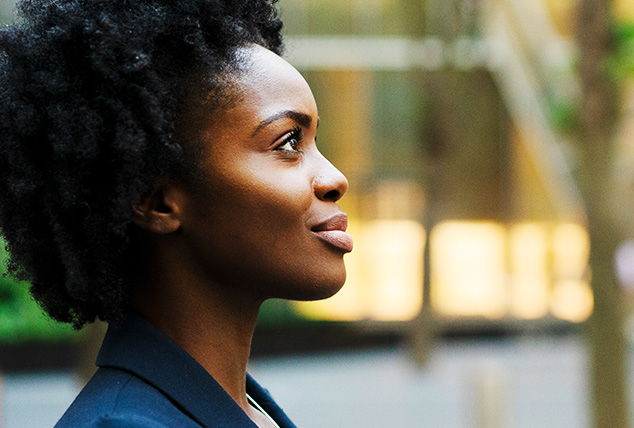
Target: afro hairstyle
90,92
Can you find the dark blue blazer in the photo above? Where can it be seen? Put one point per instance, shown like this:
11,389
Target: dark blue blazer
146,380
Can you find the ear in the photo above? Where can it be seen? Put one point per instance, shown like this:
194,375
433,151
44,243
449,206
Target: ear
160,210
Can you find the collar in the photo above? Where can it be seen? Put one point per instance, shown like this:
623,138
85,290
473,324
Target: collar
138,347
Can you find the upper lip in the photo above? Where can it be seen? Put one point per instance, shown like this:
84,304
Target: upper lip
337,221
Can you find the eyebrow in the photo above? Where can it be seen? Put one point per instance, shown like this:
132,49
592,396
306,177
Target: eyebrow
301,118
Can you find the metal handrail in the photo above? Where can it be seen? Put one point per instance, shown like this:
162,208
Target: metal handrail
522,81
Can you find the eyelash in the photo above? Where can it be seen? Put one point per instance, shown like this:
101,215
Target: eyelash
295,135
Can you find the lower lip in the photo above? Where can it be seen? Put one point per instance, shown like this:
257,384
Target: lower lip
336,238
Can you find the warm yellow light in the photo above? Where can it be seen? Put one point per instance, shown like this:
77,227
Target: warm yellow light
468,269
571,247
385,275
478,269
623,10
529,275
572,300
396,259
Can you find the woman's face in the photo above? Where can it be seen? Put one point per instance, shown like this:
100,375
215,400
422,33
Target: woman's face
265,218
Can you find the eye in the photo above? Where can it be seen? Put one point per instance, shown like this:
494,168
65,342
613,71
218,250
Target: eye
291,142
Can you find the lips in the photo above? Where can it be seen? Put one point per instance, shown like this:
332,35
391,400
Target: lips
333,232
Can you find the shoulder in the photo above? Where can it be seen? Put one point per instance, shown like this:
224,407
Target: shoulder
116,398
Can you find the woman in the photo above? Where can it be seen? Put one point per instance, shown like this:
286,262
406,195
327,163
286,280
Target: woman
159,172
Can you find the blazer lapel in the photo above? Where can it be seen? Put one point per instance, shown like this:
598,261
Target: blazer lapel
141,349
264,399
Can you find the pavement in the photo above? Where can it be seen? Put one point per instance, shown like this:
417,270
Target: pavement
497,383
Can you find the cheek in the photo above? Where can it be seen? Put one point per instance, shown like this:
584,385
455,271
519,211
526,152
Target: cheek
252,230
259,209
265,247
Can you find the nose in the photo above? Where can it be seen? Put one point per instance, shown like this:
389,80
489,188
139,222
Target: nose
329,184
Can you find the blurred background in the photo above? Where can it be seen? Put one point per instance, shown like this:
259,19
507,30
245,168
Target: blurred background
489,146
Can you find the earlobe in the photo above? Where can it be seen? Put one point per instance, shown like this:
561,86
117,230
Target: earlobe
158,211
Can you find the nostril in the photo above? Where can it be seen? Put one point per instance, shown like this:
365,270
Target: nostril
333,195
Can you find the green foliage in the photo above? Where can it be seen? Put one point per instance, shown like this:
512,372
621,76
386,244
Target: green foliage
564,115
21,319
621,64
278,312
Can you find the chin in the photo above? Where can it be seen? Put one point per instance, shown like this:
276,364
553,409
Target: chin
325,287
324,295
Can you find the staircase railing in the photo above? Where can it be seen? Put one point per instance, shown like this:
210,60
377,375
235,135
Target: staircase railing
530,63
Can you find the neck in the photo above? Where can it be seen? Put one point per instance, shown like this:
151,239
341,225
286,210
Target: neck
213,323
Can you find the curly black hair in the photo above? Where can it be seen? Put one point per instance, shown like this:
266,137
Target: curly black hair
90,97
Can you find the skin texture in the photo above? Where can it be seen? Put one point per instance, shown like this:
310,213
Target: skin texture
246,232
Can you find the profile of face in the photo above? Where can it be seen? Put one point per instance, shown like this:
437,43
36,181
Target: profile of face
265,217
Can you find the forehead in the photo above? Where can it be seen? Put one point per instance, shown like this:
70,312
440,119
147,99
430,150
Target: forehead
267,84
262,86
